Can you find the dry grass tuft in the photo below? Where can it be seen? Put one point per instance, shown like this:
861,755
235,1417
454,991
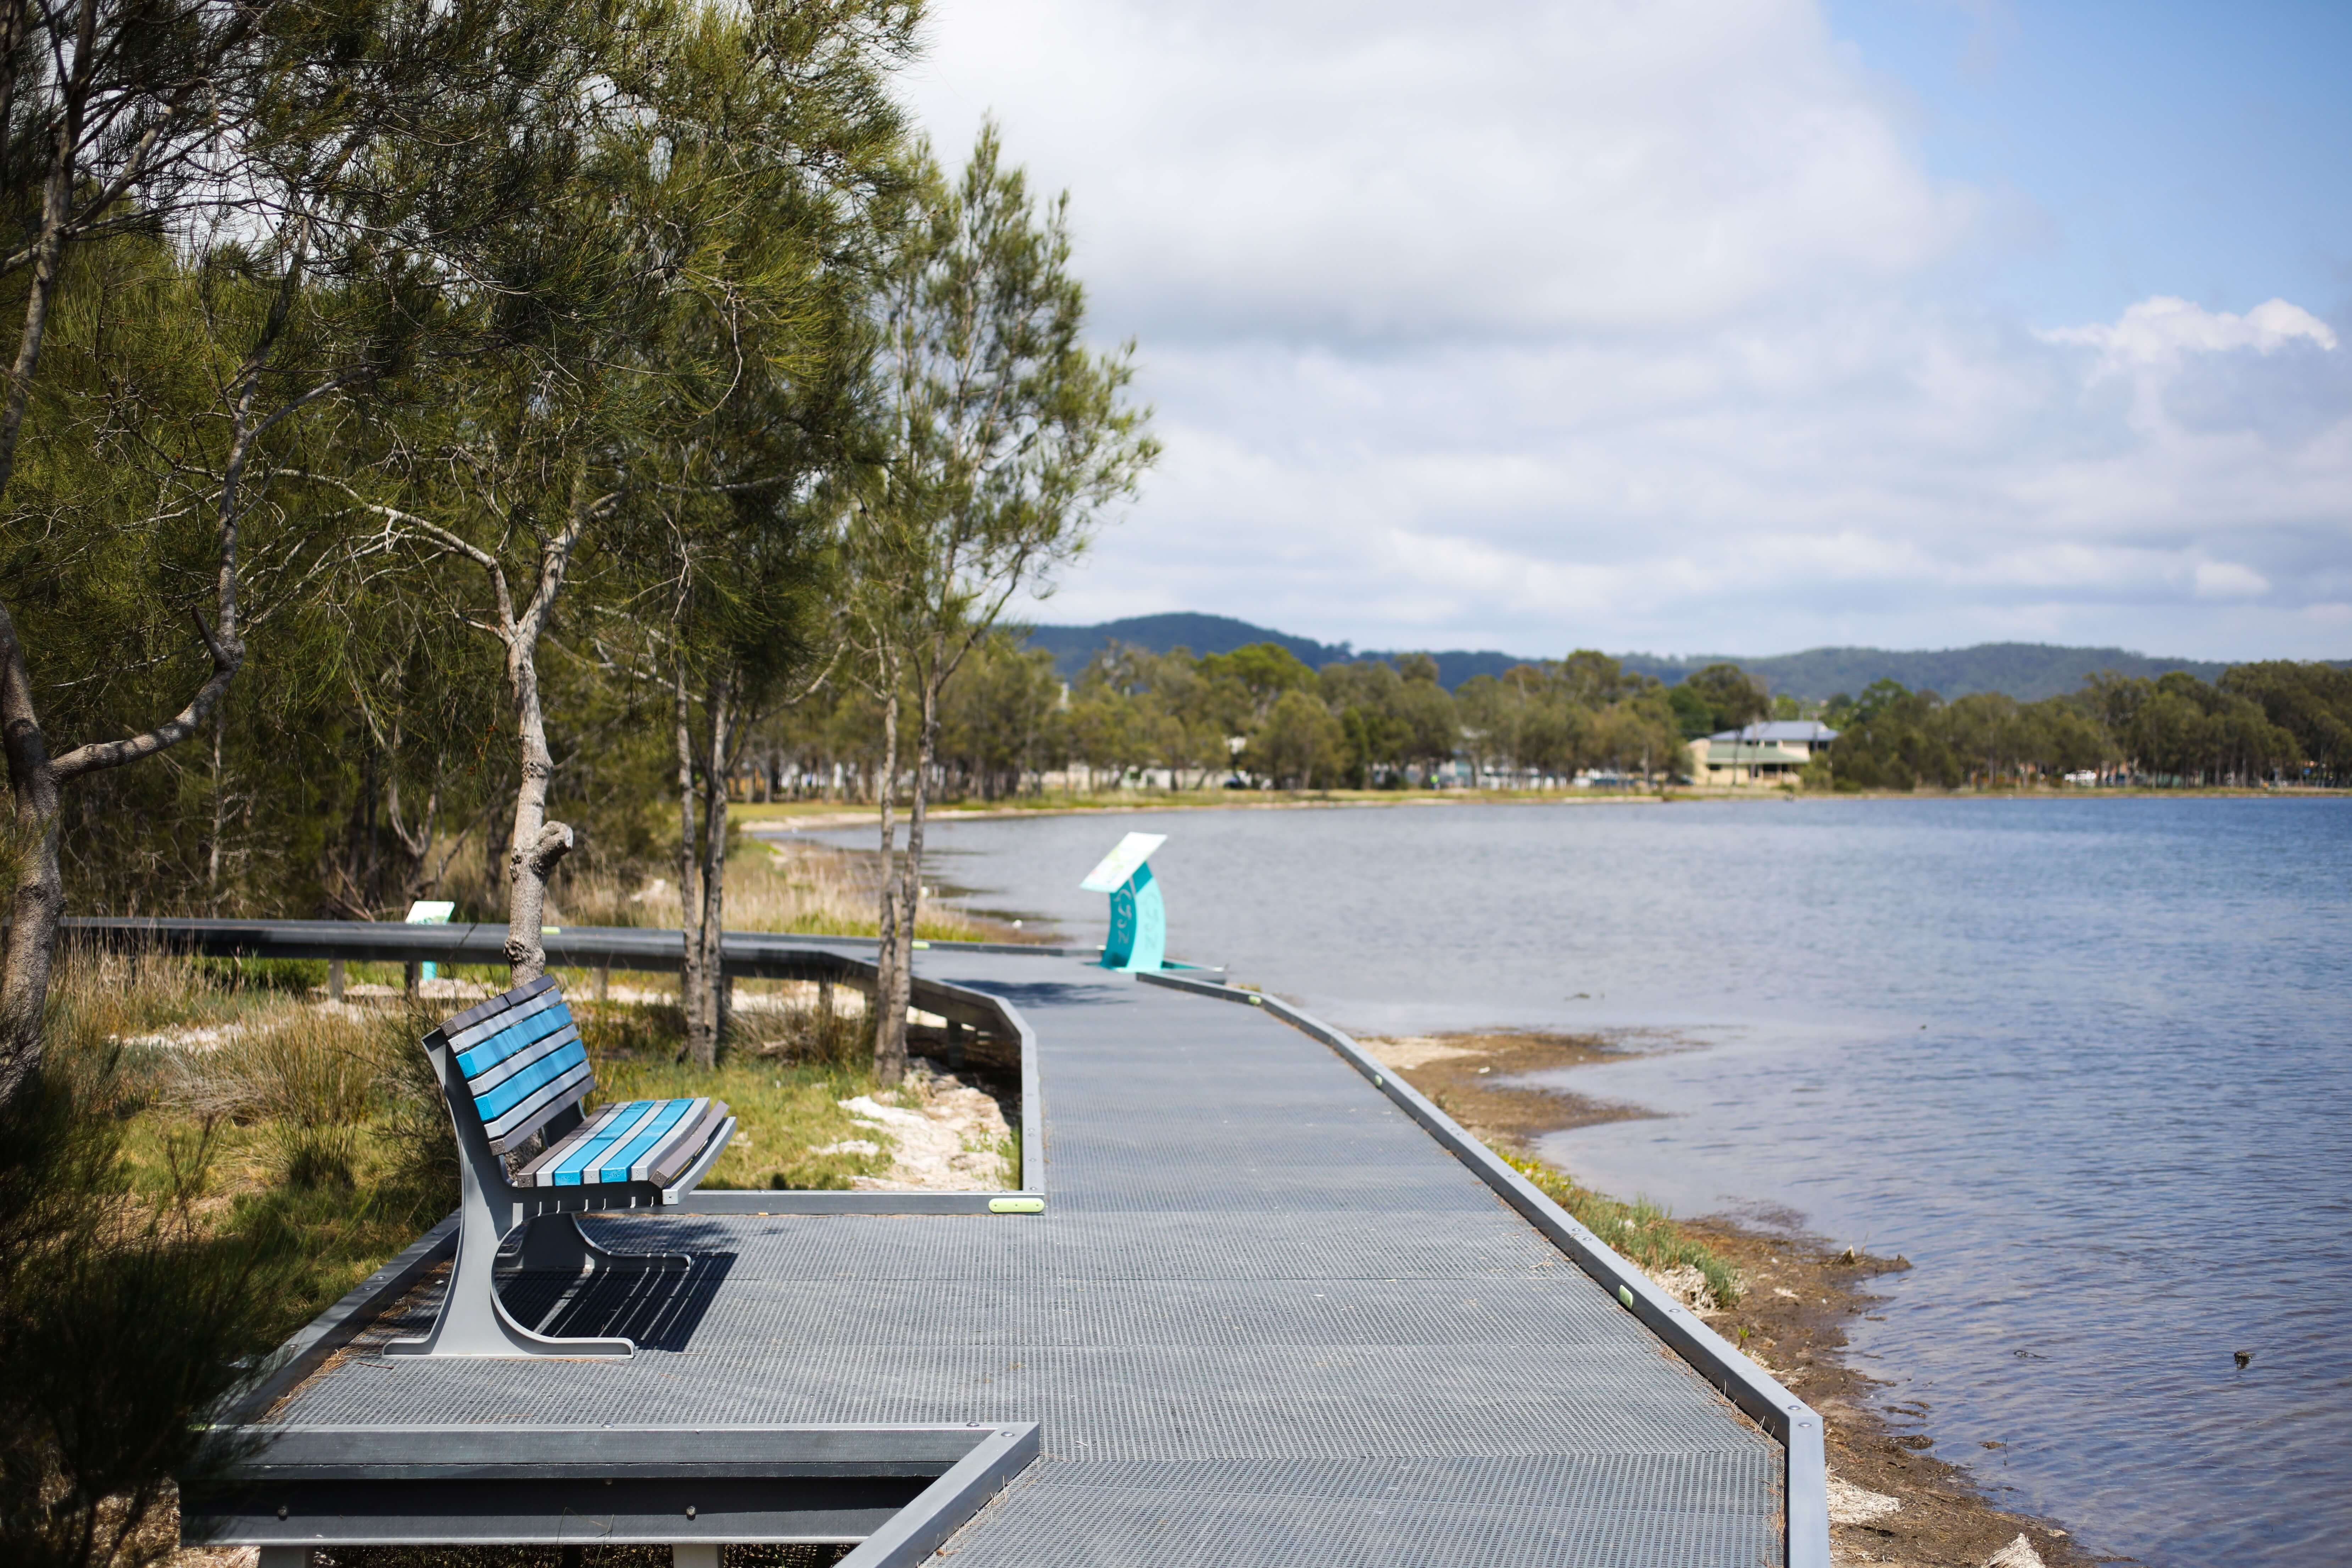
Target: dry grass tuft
812,890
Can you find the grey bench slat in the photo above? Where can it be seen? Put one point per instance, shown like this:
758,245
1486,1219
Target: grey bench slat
498,1003
682,1150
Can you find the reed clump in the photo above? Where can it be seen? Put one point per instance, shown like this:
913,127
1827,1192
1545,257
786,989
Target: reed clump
1640,1231
192,1173
809,889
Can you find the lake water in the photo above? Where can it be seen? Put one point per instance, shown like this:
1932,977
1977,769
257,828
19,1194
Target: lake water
2087,1063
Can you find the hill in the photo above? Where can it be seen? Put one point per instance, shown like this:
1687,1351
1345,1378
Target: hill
1073,645
2026,671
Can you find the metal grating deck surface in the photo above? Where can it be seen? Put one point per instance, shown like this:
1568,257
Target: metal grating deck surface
1265,1319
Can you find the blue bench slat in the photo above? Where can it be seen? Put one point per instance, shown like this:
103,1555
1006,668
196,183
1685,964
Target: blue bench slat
504,1096
537,1113
540,1171
515,1033
492,1049
620,1164
521,1061
489,1024
586,1148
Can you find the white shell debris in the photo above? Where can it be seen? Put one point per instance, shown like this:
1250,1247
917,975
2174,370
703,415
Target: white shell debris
1850,1504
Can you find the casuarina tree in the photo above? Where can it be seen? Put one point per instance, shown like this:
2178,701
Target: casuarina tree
1009,440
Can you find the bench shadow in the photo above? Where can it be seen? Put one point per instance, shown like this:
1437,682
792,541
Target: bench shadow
659,1309
1047,992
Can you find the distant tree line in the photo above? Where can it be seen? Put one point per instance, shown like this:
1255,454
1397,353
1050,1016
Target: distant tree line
1259,717
2275,721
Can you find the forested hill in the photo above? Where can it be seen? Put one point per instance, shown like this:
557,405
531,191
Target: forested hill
2026,671
1201,634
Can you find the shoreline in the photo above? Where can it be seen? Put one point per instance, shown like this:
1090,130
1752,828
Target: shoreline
1890,1501
773,819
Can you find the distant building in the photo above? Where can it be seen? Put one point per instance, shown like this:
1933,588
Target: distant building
1767,755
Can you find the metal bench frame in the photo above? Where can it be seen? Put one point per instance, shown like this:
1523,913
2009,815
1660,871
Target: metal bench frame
473,1322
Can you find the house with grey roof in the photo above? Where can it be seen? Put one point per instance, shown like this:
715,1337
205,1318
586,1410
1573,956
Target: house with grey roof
1764,756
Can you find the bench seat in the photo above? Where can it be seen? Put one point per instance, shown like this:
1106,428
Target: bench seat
634,1140
511,1069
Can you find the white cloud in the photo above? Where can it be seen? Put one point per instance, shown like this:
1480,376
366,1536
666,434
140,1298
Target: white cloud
1390,169
1603,322
2228,579
2159,331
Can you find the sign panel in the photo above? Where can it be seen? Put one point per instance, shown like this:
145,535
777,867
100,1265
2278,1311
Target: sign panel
1121,863
429,913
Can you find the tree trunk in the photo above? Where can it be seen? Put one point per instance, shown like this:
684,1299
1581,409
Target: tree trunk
701,868
220,801
900,941
536,844
36,887
689,979
892,983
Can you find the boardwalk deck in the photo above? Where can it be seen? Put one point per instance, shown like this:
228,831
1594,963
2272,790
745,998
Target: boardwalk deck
1265,1318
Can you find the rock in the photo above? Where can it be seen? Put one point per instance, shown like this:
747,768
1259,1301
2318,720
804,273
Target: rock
1850,1504
2018,1554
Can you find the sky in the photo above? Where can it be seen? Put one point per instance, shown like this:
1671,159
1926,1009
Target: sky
1690,326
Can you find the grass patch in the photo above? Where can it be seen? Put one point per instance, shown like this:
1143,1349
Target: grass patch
783,1077
310,1137
314,1135
1640,1231
808,889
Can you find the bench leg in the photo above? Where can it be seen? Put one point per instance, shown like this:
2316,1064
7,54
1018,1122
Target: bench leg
474,1323
555,1243
694,1554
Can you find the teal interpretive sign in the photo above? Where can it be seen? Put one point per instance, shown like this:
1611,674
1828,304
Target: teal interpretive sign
429,912
1139,920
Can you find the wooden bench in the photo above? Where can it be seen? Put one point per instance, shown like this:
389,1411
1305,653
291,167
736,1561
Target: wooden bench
513,1067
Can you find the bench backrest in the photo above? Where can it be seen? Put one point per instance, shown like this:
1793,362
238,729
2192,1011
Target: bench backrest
522,1060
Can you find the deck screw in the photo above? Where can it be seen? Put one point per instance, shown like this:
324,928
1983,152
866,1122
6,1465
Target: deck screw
689,1510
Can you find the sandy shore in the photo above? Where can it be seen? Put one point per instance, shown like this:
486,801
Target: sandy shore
1889,1502
768,821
